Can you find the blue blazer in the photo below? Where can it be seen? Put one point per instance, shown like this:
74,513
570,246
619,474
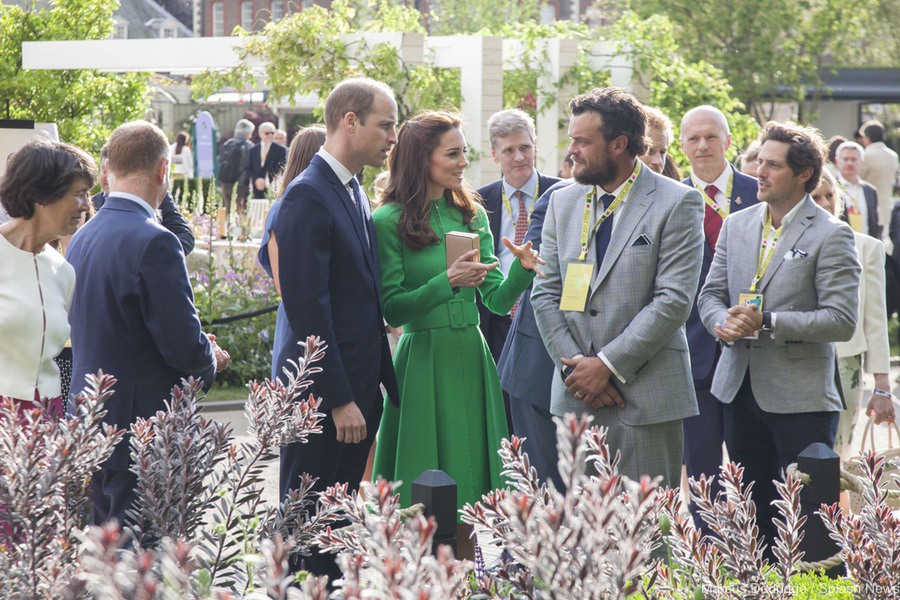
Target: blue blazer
526,370
275,159
495,327
172,219
330,287
133,314
702,345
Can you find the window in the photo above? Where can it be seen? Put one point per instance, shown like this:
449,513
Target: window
218,19
168,32
247,15
277,10
121,31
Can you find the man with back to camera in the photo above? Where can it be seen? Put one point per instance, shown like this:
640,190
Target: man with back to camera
705,136
880,166
330,286
782,288
623,249
134,316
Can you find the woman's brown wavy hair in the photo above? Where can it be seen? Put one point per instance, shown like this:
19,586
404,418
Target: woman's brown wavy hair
408,164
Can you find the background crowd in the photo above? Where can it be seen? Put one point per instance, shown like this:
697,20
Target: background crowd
733,308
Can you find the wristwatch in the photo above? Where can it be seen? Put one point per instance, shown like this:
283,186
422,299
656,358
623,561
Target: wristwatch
768,323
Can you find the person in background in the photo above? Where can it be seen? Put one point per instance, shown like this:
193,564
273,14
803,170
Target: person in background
831,163
671,169
451,405
182,166
46,192
659,131
868,349
860,197
880,167
748,159
566,171
305,145
265,161
169,215
233,174
281,137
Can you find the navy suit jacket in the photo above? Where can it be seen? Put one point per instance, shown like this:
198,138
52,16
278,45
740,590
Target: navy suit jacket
330,287
133,314
275,159
172,220
702,345
525,367
496,327
873,227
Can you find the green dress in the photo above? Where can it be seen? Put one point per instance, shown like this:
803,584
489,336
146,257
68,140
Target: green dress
451,414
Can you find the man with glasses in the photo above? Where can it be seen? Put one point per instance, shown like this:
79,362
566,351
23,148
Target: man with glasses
265,161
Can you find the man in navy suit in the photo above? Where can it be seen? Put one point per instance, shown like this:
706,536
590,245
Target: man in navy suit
705,136
265,160
133,315
172,218
330,287
526,370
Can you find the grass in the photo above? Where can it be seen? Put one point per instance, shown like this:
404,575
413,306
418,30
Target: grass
220,392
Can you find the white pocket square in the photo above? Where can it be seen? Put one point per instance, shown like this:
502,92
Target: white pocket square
795,253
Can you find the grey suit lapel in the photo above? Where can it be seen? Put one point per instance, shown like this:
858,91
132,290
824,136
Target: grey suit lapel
798,225
637,204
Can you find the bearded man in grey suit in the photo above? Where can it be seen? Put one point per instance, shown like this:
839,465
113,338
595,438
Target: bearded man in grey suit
783,286
623,252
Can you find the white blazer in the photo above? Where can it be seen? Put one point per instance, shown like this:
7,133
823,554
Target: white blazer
871,334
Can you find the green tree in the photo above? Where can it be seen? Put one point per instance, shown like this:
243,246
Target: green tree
86,105
766,48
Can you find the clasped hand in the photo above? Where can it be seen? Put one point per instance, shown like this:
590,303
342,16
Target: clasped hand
742,321
223,359
590,382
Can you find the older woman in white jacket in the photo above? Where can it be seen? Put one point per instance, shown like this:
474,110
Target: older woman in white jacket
868,348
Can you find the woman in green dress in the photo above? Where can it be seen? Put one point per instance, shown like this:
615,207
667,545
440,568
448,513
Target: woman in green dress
451,414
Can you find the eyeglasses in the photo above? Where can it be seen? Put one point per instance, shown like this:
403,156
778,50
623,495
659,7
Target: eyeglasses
268,133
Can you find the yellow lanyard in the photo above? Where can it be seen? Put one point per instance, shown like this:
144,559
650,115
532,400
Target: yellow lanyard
509,207
711,202
586,231
766,250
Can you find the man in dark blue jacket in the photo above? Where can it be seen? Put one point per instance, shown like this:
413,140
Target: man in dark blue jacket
133,312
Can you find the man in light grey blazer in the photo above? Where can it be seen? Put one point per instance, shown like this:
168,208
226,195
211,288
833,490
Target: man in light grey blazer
619,341
776,375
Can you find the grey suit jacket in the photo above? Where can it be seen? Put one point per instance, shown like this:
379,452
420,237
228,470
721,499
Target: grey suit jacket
811,286
639,298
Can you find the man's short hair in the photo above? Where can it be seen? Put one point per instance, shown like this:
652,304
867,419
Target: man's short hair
244,128
874,130
657,119
136,147
806,148
266,126
717,114
104,152
509,122
620,114
849,146
352,95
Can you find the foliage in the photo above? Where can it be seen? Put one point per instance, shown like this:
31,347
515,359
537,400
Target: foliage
594,540
769,47
85,104
46,465
460,17
678,83
384,555
869,540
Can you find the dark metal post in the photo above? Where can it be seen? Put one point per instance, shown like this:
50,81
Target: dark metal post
824,469
437,491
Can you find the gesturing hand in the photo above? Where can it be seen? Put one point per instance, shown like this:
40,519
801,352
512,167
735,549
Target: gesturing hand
350,423
528,256
466,272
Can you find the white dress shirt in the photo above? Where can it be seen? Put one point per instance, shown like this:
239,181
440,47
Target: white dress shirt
721,183
508,221
855,196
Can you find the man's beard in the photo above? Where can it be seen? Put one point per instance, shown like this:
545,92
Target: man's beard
604,172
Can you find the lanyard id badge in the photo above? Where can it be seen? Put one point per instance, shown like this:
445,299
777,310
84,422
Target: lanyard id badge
577,282
752,299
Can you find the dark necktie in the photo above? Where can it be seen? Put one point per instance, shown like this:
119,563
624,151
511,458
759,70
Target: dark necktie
361,212
605,231
712,220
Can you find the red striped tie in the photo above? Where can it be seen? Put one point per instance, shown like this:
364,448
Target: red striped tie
712,222
521,230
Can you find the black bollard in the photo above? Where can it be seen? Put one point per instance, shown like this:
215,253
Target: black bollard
437,491
824,469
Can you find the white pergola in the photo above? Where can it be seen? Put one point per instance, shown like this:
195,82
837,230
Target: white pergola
481,61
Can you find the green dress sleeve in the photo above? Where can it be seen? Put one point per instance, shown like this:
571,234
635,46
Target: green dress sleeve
399,303
499,294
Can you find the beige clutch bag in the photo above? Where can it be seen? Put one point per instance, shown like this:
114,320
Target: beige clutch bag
458,243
